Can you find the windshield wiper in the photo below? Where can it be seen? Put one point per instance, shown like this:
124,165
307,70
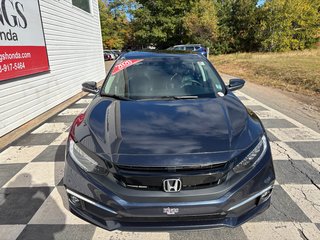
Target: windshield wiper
180,97
116,97
186,97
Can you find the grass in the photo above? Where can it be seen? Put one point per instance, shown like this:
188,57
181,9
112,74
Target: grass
297,71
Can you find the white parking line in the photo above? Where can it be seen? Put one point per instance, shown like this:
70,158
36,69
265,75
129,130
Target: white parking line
70,111
302,134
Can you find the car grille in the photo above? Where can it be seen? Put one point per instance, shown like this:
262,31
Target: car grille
176,218
151,178
172,169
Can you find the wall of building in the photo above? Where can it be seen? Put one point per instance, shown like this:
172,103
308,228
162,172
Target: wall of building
75,53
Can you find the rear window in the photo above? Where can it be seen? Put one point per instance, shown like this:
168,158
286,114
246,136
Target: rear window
189,48
178,48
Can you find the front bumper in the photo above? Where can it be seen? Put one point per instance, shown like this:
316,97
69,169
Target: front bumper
115,207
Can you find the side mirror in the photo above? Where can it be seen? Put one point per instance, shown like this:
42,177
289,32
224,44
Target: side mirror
90,87
235,84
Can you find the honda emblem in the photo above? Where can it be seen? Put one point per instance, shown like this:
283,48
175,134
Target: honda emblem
172,185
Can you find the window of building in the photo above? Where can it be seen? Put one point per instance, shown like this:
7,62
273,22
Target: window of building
82,4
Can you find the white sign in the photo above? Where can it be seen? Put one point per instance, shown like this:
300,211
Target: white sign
22,46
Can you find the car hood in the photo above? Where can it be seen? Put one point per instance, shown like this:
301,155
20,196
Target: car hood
211,128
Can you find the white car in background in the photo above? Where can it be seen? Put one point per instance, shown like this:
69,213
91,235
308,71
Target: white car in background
113,57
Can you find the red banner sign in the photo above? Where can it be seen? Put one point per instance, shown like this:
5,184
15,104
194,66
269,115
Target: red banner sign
123,65
22,46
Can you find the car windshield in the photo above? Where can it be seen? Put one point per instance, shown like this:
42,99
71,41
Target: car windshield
163,77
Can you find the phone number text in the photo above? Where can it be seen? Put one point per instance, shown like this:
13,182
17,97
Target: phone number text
12,67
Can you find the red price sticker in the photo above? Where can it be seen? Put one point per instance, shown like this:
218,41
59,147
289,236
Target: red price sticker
125,64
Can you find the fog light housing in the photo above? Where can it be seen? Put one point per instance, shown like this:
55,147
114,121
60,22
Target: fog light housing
265,196
74,201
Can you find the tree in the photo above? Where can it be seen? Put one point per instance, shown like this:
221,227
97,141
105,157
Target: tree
160,22
244,24
224,25
288,24
201,23
115,28
237,25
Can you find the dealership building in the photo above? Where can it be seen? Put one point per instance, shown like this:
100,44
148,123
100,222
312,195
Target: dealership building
47,49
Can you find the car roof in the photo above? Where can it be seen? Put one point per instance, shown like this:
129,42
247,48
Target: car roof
188,45
153,54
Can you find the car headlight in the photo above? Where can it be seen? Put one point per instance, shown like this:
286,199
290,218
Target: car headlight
84,161
253,158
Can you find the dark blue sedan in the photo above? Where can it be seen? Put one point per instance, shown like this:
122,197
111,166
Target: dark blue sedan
198,48
166,145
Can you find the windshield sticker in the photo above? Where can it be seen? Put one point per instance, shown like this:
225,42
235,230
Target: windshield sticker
220,94
125,64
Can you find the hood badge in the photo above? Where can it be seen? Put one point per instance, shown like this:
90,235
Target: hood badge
170,211
172,185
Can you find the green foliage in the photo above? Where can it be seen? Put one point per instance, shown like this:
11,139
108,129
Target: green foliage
237,24
223,25
160,22
201,23
288,25
115,28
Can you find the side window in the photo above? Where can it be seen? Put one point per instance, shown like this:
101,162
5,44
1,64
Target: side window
115,84
82,4
189,48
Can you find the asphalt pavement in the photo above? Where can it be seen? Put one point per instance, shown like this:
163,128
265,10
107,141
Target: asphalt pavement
33,202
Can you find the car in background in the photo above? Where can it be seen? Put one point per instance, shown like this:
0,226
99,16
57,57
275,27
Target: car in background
110,53
192,48
166,145
106,56
116,52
